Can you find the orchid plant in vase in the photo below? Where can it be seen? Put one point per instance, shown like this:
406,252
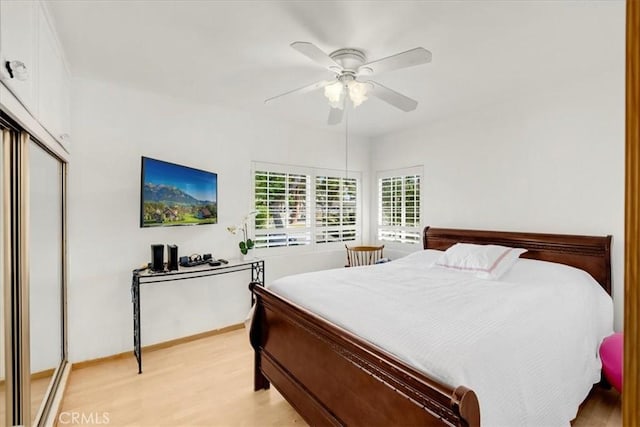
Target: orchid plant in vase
246,244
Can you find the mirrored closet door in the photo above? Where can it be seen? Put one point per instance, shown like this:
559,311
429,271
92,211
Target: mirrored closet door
32,258
45,272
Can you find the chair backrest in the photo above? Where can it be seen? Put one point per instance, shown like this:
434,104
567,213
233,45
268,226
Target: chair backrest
363,255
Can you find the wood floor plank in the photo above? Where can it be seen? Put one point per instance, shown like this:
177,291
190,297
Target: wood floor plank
209,382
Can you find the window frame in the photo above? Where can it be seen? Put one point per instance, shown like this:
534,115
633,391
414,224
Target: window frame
340,228
287,231
312,173
402,173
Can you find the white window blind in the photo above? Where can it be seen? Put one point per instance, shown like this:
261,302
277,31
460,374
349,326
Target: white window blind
399,207
282,205
336,209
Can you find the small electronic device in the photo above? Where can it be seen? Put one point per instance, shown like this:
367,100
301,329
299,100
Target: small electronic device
157,257
172,257
194,260
214,262
224,261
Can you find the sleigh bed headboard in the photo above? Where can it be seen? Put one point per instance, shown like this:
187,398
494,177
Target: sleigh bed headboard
589,253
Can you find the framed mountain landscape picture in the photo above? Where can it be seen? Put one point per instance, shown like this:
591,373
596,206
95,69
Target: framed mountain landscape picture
172,194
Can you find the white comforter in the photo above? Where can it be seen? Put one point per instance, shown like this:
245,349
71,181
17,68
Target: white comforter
527,344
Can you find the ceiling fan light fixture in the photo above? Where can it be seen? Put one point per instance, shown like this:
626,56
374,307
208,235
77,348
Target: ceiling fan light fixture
335,94
349,65
358,92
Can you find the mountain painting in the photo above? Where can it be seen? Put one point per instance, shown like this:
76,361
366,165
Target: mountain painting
177,195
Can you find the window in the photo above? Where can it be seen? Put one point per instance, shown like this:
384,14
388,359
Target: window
299,206
335,209
281,202
399,205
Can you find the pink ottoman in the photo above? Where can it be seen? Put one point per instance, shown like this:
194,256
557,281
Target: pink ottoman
611,356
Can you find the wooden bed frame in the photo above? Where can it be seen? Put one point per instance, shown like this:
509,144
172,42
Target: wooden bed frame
332,377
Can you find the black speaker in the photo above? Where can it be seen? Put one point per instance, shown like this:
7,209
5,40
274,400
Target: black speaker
172,257
157,257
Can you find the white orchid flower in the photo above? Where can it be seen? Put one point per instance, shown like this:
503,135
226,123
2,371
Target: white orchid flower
249,215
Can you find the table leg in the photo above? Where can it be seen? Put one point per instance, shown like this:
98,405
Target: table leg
135,296
257,275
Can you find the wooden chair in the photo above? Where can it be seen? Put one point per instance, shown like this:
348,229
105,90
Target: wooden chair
363,255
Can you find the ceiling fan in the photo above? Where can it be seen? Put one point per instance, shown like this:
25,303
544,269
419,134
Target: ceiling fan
350,67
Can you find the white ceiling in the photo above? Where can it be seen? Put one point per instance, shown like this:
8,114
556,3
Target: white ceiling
236,53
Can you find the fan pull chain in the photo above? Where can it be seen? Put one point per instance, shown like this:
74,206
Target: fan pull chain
346,141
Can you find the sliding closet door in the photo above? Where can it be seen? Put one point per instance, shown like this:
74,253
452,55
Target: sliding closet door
3,311
45,272
32,279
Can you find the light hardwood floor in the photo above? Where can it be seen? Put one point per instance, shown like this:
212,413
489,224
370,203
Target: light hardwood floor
208,382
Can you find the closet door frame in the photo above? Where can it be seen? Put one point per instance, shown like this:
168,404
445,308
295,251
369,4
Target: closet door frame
631,360
16,273
20,244
7,140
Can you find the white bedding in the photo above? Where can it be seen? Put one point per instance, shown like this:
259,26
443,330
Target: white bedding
527,344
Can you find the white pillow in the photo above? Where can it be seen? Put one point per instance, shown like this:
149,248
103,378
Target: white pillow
484,261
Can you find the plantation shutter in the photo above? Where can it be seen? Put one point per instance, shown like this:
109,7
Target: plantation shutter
399,208
335,209
282,202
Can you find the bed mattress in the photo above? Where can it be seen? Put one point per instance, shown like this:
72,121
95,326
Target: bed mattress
527,344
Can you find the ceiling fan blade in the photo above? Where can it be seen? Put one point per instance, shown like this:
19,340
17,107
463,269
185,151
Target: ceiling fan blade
305,89
392,97
335,116
314,53
412,57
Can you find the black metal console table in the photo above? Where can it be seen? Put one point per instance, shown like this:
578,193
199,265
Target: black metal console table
143,276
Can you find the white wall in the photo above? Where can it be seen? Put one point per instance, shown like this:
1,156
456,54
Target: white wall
550,161
112,127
